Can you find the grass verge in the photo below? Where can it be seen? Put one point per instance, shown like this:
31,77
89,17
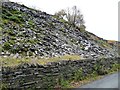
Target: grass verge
10,61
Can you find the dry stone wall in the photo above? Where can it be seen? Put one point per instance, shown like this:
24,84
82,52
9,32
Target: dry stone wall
39,76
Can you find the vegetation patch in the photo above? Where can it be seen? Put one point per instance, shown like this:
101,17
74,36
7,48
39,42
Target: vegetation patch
57,59
10,61
79,79
13,15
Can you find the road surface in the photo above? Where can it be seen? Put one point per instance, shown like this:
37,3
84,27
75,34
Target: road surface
110,81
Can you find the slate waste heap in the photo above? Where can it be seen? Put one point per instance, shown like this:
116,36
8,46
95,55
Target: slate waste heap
29,32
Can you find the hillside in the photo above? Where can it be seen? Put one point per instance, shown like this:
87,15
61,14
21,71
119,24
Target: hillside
29,32
42,51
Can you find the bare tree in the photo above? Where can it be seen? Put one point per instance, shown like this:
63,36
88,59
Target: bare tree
72,15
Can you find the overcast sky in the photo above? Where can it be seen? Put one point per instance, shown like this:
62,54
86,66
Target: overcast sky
101,16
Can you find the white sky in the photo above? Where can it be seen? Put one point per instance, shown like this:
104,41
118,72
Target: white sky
101,16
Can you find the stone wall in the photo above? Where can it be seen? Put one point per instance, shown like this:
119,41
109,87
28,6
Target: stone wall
39,76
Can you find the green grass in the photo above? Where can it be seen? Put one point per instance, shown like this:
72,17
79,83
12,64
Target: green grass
56,59
10,61
13,15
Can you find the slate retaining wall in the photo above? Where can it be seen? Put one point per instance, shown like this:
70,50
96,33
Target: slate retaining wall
39,76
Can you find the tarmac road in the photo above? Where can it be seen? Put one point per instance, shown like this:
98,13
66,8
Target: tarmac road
110,81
